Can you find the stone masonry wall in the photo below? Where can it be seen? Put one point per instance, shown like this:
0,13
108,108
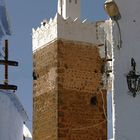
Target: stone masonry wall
45,93
80,79
67,101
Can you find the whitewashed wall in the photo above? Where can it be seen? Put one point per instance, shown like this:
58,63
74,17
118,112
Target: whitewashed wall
69,8
11,119
126,109
105,30
60,28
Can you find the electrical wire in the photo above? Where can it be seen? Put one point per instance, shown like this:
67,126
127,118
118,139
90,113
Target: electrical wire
88,127
98,124
104,110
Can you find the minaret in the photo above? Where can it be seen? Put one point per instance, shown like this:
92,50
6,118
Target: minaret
69,102
69,8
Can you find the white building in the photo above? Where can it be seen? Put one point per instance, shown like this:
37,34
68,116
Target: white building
12,116
126,108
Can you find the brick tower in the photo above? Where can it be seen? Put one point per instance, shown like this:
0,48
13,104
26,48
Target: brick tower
69,102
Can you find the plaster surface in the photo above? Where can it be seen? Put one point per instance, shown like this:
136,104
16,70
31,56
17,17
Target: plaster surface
11,118
126,109
69,8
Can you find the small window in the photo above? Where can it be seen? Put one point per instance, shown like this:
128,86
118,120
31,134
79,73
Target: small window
75,1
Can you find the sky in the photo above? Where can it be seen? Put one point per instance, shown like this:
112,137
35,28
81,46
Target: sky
25,15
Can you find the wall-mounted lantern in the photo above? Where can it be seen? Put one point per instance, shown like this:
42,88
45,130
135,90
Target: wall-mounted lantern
133,80
113,12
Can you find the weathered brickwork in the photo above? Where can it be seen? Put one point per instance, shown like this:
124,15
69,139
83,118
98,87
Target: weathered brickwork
68,76
79,79
45,93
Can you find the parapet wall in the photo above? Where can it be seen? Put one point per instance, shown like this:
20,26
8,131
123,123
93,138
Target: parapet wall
69,29
44,34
